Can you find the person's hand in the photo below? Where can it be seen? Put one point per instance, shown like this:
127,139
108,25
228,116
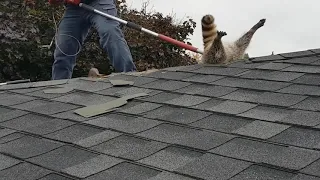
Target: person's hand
74,2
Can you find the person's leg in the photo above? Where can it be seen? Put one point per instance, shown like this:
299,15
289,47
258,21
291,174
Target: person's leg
111,37
72,31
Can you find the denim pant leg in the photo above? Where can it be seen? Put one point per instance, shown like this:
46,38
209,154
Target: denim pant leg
112,39
72,30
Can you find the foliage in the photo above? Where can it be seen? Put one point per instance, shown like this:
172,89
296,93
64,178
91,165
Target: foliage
26,26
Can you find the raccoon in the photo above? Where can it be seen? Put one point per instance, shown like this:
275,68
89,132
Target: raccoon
218,52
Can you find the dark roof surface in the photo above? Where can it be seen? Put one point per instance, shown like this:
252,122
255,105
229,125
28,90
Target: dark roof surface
258,120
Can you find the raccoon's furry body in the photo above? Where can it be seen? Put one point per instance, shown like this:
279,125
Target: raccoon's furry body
218,52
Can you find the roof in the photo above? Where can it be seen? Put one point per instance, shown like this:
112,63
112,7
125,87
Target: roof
257,120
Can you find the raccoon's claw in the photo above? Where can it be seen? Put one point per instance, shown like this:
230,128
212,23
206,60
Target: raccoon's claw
260,23
221,34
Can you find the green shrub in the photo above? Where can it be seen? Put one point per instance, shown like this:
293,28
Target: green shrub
24,29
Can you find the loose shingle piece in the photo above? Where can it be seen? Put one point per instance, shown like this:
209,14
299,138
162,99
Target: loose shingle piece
250,120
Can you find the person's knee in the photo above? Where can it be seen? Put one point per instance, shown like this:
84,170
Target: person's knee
111,32
65,54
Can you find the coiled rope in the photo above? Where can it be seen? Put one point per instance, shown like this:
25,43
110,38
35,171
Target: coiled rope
56,40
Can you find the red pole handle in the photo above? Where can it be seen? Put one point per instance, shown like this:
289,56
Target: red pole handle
179,43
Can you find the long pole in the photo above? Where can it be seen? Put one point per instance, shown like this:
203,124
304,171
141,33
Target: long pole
142,29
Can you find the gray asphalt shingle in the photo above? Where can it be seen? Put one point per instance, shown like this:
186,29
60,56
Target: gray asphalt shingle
260,152
92,166
267,58
302,69
247,64
11,137
11,114
177,115
9,99
126,171
311,103
273,66
214,70
54,176
261,129
200,139
7,162
206,90
232,107
222,123
243,95
297,54
272,75
255,84
5,131
140,108
170,176
161,97
45,107
129,147
278,99
301,89
169,75
212,167
171,158
266,113
301,117
62,158
312,169
28,146
297,136
24,171
168,85
247,120
260,172
97,138
309,79
36,124
128,124
138,80
302,60
74,133
187,100
200,78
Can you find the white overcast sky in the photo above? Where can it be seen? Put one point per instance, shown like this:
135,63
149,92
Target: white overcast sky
291,25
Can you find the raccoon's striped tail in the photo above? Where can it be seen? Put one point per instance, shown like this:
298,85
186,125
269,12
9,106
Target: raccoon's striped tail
209,30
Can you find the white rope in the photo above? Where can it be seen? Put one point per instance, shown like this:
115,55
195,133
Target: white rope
56,41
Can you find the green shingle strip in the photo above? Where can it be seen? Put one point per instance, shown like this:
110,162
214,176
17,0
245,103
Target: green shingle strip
120,82
57,90
98,109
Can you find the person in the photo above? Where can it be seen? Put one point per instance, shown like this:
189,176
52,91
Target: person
73,30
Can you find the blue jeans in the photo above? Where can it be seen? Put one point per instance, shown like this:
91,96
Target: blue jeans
76,24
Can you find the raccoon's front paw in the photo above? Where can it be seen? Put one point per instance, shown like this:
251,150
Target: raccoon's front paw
221,34
261,23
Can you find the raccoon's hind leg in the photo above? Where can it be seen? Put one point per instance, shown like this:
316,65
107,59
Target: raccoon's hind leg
216,54
243,42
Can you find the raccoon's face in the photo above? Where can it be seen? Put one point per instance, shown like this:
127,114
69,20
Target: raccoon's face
207,19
